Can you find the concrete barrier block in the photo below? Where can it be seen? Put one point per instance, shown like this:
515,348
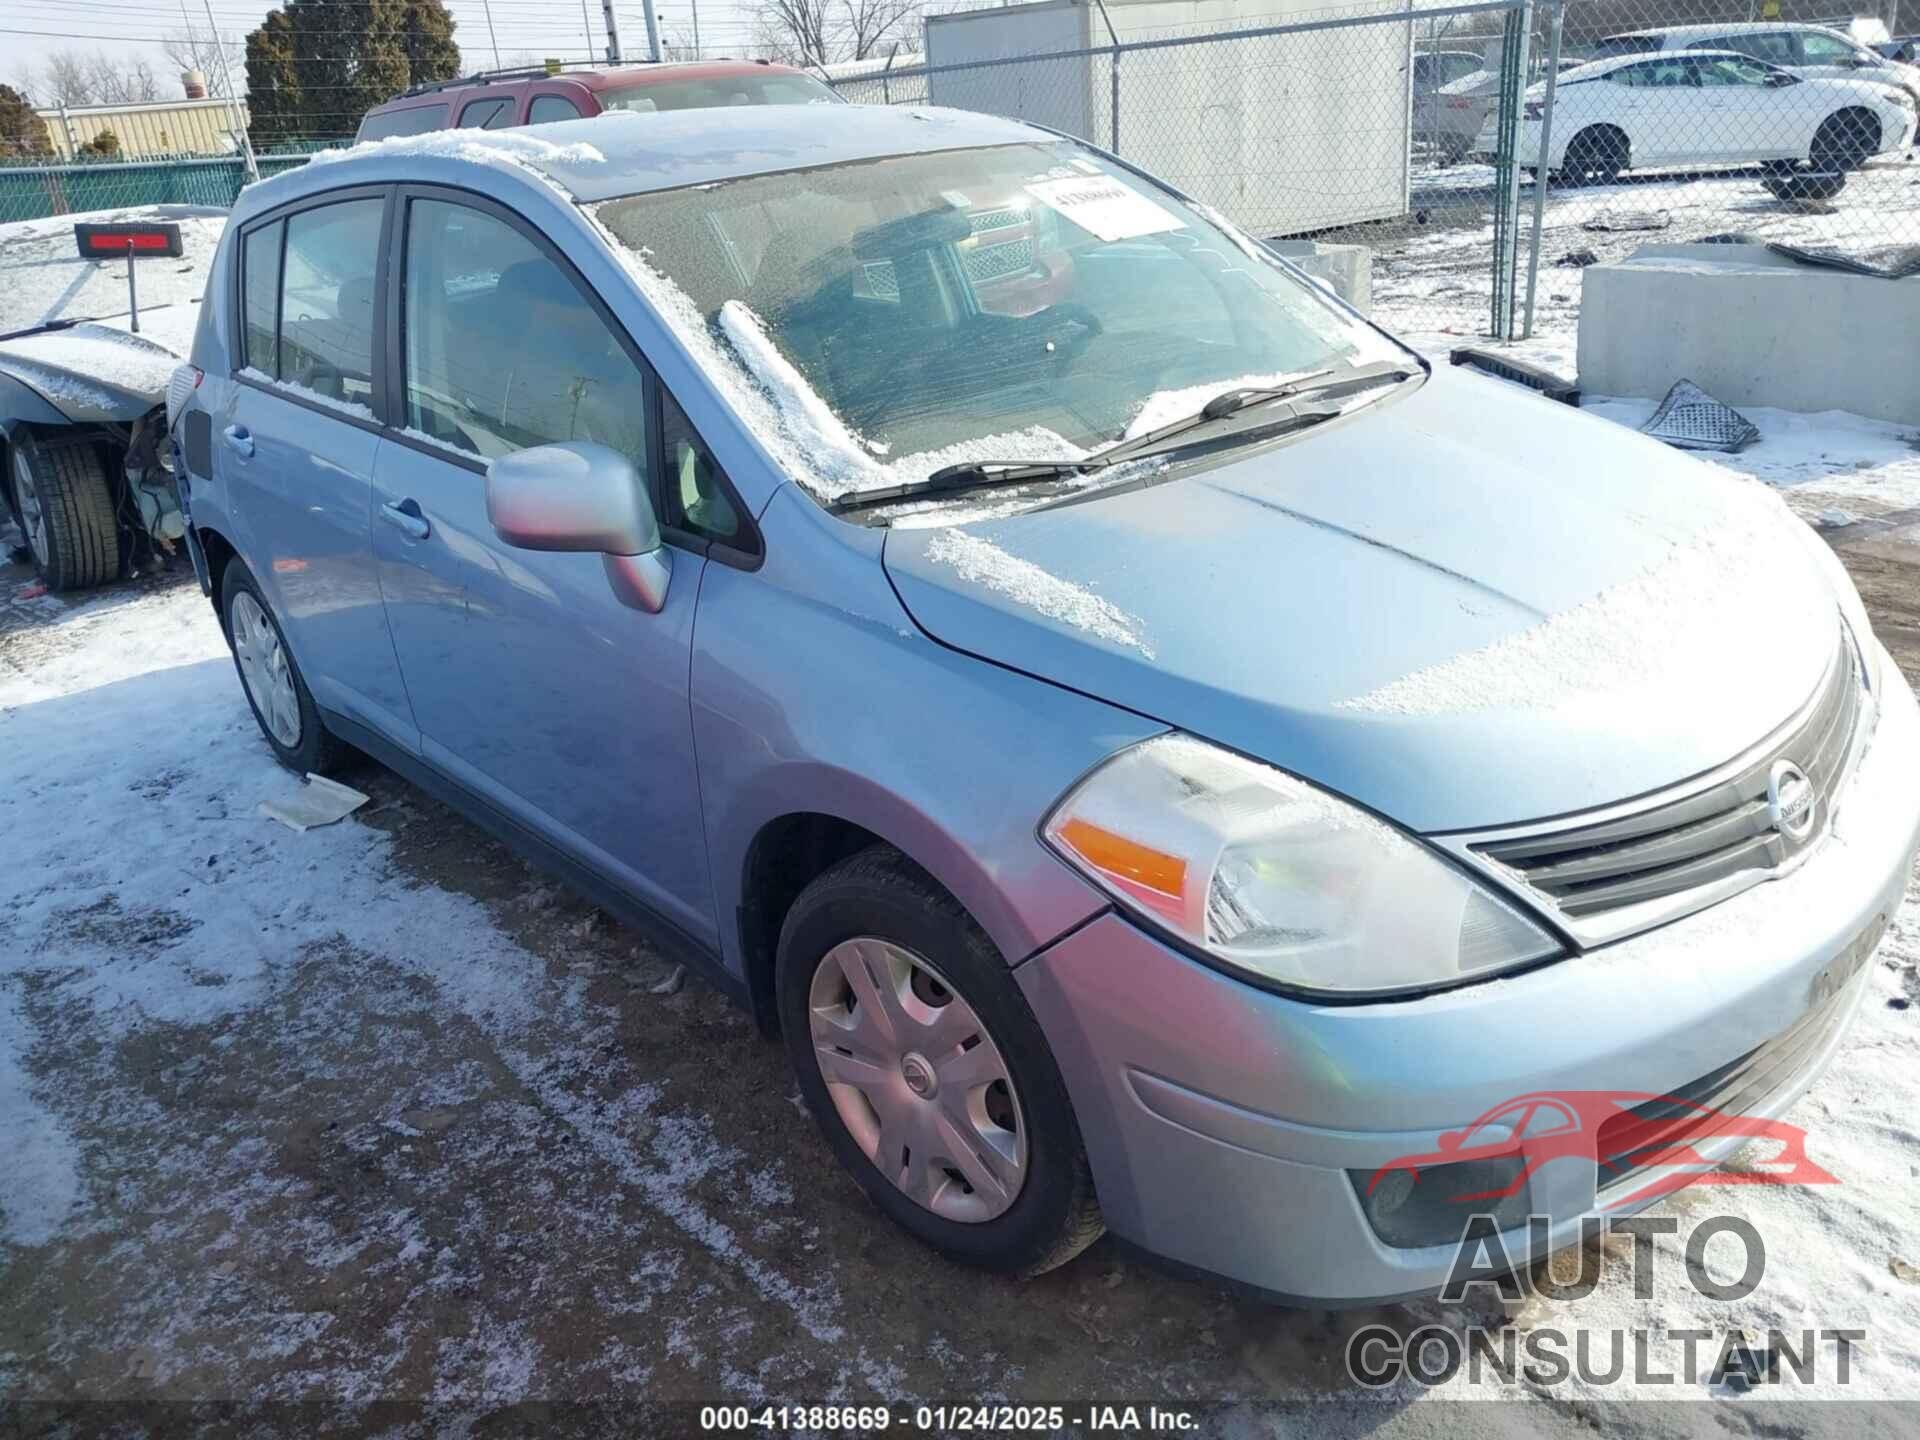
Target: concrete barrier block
1347,269
1751,328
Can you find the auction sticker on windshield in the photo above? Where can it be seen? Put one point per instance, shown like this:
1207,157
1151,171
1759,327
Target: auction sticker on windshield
1104,207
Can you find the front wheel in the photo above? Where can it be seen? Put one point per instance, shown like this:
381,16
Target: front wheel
926,1070
65,508
1846,140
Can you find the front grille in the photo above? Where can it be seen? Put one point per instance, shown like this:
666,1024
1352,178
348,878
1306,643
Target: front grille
1624,871
1002,258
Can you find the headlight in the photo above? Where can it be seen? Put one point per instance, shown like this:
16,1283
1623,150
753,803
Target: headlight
1280,880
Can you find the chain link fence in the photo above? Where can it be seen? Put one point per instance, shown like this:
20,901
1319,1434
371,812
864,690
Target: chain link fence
31,190
1418,131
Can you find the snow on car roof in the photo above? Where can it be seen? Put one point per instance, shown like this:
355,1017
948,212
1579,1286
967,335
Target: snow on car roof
43,277
1733,27
623,153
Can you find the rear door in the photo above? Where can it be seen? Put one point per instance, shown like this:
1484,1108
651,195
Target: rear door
295,441
535,686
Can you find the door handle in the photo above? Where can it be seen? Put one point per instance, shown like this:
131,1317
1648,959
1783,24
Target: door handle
239,439
405,516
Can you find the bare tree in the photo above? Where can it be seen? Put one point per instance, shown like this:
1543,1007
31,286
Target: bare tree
80,77
800,32
200,50
871,26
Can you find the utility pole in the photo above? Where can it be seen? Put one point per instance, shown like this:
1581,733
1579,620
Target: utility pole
653,31
487,5
613,32
696,24
233,96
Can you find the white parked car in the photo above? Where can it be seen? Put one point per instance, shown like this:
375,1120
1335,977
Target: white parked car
1813,52
1706,108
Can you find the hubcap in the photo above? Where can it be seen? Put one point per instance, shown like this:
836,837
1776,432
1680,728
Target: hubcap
31,515
266,671
917,1080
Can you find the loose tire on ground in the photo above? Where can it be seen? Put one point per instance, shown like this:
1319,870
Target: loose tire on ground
880,897
64,505
304,747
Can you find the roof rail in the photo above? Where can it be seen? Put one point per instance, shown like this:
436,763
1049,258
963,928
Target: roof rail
522,72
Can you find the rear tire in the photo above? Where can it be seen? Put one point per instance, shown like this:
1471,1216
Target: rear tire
1846,140
283,706
953,1029
1595,156
64,505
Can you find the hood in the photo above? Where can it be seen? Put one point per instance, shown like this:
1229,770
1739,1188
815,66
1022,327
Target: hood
95,371
1465,606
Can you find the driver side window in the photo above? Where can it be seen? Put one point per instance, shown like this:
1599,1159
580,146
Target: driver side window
325,295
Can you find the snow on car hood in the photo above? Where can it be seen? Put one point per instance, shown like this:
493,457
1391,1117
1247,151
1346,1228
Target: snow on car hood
1466,606
94,371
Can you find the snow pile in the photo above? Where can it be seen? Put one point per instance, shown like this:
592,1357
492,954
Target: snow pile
1698,599
981,562
842,462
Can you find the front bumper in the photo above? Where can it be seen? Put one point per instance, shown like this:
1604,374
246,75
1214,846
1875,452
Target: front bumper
1221,1121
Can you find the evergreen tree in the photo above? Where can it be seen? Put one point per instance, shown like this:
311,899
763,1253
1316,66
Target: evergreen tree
22,133
315,67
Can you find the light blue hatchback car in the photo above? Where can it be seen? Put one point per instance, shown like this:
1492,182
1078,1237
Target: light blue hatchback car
1156,751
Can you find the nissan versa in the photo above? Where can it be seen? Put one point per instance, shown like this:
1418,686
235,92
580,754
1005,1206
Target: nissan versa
1155,750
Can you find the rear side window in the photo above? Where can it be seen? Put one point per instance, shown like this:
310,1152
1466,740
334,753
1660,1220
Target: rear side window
495,113
414,120
503,351
260,275
1772,45
1821,49
548,108
323,340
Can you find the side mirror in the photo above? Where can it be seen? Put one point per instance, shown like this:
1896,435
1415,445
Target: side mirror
1779,80
584,497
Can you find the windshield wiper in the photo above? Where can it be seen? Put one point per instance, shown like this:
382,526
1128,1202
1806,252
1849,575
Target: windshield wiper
994,474
1319,383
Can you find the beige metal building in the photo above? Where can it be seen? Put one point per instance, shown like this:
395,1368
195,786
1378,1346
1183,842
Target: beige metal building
160,127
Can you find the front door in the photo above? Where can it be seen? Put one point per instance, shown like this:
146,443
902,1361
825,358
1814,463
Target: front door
296,441
534,685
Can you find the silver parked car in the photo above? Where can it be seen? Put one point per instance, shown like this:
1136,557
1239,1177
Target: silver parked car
1154,750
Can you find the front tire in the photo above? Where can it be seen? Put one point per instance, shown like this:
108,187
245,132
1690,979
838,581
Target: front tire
926,1070
275,689
65,508
1845,141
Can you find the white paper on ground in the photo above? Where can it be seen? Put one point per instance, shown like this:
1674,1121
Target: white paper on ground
1105,207
319,802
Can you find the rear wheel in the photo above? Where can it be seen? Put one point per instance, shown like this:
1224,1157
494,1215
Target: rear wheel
1846,140
1595,156
275,689
926,1070
65,508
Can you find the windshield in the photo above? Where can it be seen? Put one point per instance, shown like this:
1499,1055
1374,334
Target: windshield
879,320
708,92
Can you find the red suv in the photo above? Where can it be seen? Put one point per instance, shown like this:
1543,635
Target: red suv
500,99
